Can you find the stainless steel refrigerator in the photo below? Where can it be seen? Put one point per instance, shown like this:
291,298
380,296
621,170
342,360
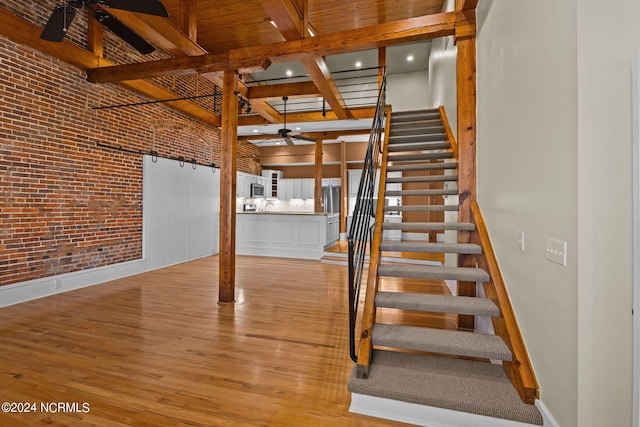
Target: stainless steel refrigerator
331,199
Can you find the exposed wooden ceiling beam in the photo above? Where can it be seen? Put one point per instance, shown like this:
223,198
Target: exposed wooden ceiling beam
277,91
292,27
187,20
466,4
386,34
160,32
173,67
25,33
374,36
308,116
323,135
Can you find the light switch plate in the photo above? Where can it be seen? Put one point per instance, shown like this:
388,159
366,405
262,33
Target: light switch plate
556,251
521,240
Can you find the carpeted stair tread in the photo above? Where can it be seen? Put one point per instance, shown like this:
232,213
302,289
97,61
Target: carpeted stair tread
428,247
433,155
431,192
473,306
429,226
456,384
415,128
429,178
422,208
416,139
417,115
424,166
465,274
418,146
442,341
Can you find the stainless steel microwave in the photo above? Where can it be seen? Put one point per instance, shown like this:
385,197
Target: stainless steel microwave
257,190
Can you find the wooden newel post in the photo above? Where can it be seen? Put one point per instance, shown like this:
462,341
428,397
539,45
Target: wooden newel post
467,134
228,162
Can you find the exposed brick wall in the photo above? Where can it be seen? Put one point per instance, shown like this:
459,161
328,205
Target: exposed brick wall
65,203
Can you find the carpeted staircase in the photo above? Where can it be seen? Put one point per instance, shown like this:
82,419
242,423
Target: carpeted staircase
441,368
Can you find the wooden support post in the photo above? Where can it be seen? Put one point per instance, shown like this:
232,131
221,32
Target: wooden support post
466,99
317,190
187,19
382,62
95,37
344,189
228,161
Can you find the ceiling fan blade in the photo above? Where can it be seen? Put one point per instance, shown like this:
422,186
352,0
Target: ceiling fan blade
122,31
289,141
58,24
305,138
150,7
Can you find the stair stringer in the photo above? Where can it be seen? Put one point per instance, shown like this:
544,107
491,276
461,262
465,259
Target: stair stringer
519,369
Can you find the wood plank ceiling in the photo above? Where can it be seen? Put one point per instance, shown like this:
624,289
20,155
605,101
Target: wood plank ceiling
208,37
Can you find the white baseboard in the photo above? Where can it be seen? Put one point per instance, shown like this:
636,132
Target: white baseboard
430,416
39,288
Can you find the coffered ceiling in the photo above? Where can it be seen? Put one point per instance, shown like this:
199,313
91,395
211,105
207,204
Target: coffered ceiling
263,39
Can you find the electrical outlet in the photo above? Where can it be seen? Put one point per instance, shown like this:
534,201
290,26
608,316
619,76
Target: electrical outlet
521,240
556,251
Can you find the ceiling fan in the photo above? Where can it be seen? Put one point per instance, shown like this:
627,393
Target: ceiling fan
287,134
63,15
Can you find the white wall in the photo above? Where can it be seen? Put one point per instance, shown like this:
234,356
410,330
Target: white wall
527,177
607,39
408,91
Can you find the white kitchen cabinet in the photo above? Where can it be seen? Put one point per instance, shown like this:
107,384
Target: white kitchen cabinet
354,181
272,179
307,188
286,189
392,234
243,184
298,188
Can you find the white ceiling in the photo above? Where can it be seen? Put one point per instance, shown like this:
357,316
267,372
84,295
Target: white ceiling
396,63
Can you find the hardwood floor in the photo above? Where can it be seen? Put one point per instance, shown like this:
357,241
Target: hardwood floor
157,349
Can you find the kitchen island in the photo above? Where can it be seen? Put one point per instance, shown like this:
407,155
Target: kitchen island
285,234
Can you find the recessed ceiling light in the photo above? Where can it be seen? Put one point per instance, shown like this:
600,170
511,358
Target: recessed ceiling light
410,58
289,73
278,143
255,130
298,128
358,64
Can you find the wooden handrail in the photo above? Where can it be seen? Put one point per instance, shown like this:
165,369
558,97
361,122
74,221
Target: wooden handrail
519,370
369,311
